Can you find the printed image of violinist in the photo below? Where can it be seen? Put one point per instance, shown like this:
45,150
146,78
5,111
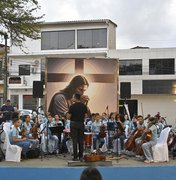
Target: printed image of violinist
15,137
30,132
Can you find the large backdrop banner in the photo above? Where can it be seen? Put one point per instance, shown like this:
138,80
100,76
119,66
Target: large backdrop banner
94,79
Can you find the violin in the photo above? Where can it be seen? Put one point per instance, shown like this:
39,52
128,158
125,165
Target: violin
102,132
22,132
34,131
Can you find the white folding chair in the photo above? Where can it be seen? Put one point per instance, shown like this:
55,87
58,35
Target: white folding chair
13,152
160,150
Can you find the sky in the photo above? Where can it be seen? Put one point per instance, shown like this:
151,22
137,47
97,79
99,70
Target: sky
149,23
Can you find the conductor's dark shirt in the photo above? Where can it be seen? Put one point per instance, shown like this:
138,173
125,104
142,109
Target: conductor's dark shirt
77,111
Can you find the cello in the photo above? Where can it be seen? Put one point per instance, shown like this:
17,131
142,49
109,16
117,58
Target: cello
130,143
146,136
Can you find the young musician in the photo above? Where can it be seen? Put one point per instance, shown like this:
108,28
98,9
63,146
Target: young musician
51,140
147,147
27,128
96,132
16,138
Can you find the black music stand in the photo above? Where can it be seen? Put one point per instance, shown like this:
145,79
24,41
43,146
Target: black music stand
57,130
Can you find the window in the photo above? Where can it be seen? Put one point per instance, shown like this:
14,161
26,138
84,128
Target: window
58,40
29,102
158,86
15,80
24,70
92,38
130,67
161,66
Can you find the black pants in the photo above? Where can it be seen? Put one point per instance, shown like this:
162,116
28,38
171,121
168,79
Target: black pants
77,135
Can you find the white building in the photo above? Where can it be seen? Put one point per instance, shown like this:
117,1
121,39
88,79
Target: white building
69,39
150,72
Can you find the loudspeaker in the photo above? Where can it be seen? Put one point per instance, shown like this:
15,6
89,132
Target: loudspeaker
125,90
37,89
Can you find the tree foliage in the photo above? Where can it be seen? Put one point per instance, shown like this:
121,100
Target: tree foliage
17,20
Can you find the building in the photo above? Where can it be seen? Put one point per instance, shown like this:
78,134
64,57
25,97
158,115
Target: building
68,39
147,74
152,78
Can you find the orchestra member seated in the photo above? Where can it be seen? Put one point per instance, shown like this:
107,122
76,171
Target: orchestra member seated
15,137
96,132
29,135
52,145
120,131
147,147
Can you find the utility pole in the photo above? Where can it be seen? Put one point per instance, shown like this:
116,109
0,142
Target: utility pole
5,70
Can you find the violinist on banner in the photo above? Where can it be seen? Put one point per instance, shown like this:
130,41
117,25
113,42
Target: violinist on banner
31,136
147,147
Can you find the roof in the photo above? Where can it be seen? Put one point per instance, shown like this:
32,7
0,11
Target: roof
80,22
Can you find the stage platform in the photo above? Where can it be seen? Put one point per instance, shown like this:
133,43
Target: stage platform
57,167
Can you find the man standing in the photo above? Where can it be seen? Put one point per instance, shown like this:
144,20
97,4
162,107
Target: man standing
77,112
7,109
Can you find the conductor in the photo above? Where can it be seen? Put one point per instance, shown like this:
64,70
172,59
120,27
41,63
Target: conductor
77,112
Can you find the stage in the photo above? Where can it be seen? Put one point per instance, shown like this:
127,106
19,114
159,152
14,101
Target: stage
56,167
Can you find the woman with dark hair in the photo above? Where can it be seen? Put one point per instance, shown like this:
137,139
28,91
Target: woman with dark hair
91,173
62,100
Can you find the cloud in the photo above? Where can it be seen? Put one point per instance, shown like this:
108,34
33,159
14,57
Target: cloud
146,23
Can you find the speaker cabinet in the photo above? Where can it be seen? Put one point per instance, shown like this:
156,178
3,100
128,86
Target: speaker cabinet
37,89
125,90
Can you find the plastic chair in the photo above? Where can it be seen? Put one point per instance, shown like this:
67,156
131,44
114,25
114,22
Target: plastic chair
160,150
13,152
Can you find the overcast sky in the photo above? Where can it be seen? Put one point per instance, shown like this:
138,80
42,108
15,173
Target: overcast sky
150,23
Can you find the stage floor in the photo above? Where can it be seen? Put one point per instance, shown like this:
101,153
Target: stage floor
53,161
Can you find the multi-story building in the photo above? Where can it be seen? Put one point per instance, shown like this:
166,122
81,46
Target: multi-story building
70,39
151,74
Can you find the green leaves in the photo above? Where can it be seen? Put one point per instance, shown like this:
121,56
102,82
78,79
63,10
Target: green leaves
18,21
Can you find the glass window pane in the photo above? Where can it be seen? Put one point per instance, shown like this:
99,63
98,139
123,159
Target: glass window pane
158,86
161,66
130,67
58,40
49,40
66,39
92,38
24,70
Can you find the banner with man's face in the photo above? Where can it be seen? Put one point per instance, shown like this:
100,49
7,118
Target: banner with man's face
101,74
